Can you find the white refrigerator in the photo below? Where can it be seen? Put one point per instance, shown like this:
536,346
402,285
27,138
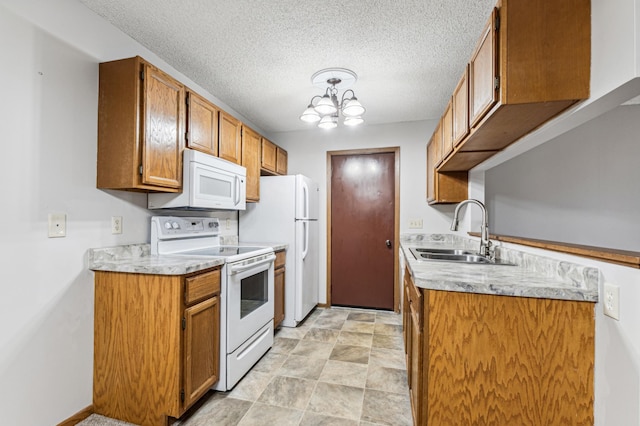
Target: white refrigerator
288,213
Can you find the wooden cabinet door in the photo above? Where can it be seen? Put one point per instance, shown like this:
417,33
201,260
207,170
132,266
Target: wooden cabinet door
483,73
251,161
202,124
415,367
201,348
269,156
447,131
281,161
163,129
278,281
431,170
460,106
229,138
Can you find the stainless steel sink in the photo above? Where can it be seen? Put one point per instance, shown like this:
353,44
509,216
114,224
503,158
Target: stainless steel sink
453,255
442,251
464,258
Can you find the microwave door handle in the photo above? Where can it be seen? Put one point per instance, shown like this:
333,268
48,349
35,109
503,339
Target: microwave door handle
237,187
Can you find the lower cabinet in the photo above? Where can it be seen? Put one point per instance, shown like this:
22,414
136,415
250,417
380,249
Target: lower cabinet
279,282
486,359
156,344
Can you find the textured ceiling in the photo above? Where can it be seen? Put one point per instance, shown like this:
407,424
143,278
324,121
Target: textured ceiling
258,56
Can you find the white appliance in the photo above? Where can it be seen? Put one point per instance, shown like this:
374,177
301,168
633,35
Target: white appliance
288,213
246,289
208,183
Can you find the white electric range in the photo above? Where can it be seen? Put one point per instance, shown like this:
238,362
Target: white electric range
246,289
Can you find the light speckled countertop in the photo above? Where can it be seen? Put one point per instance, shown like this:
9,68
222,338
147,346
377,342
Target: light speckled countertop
137,259
533,276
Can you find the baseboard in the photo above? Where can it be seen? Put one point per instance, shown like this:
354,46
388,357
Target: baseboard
323,305
77,417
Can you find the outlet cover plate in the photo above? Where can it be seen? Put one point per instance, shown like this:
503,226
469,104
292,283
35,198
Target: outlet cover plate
415,223
611,302
116,224
57,225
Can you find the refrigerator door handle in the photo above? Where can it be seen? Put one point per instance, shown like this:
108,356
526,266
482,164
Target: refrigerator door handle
305,200
305,250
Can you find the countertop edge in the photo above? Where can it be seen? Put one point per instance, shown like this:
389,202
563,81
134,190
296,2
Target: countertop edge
546,278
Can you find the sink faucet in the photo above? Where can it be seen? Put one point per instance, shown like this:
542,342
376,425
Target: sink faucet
485,244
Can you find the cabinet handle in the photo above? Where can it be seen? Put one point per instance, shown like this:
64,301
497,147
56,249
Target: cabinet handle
388,243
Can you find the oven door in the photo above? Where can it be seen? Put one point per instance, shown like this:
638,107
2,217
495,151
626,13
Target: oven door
249,298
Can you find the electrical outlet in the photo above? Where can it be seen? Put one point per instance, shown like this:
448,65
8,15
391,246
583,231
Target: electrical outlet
116,224
228,224
57,225
415,223
611,305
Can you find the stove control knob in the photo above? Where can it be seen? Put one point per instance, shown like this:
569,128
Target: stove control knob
175,225
167,225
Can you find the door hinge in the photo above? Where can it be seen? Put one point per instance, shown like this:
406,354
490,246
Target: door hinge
181,395
184,323
186,99
140,170
496,83
142,75
186,136
497,23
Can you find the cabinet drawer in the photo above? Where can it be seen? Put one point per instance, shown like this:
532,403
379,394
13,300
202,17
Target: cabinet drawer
201,286
415,297
281,258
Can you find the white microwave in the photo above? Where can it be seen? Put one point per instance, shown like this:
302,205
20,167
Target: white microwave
208,183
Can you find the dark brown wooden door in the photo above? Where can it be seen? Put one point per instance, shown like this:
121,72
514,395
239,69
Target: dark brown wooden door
362,220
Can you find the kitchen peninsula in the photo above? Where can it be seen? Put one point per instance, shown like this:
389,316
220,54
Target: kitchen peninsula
498,344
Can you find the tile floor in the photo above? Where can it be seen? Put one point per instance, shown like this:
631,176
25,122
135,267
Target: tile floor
340,367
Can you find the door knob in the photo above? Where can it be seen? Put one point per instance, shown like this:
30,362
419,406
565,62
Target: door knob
388,243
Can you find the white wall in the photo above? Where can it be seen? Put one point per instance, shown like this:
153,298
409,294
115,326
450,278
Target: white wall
308,155
581,187
48,117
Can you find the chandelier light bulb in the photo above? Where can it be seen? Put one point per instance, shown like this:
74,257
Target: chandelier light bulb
329,122
325,106
310,115
353,121
352,108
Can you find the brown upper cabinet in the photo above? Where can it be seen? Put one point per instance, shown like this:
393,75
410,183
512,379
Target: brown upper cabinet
202,124
447,131
274,159
269,156
282,161
230,138
141,125
445,187
460,105
251,161
483,77
532,62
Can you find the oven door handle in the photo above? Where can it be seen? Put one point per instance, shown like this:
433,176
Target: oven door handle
234,269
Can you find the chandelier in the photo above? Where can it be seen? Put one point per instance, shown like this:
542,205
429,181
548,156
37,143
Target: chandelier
326,109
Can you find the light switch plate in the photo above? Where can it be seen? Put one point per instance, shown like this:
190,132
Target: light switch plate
57,225
611,302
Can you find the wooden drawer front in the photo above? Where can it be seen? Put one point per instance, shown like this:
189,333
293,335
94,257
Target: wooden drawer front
415,296
281,258
201,286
